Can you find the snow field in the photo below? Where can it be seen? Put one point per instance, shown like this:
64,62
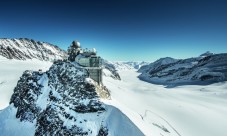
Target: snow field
10,73
189,110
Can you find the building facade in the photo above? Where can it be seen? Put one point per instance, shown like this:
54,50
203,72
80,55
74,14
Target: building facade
86,59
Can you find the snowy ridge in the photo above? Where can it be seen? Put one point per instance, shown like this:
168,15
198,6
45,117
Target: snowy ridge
61,102
111,68
208,53
128,65
136,64
158,63
23,48
206,69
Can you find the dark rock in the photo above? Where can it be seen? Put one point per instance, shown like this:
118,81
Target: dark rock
66,92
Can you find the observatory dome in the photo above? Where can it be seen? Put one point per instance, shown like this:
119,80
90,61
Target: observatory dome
76,44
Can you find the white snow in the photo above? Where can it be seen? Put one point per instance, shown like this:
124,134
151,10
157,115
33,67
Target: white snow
43,98
106,72
10,125
127,65
10,73
189,110
118,124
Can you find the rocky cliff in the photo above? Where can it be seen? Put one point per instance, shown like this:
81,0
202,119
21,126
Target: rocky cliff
61,101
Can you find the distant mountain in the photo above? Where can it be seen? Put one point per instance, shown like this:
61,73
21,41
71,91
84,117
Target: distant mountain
160,62
127,65
208,53
133,64
111,68
205,69
24,48
61,101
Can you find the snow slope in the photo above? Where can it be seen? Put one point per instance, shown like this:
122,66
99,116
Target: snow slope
190,110
18,55
118,123
10,72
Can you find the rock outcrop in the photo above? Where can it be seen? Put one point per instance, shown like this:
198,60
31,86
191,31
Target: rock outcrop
61,101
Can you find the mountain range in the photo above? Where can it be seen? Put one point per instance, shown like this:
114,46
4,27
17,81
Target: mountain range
24,48
206,69
63,100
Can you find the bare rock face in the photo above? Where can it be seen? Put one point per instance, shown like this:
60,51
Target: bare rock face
23,48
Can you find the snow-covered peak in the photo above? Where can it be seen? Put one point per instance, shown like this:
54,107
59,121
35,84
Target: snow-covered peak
24,48
208,53
157,63
166,60
207,69
136,64
61,101
127,65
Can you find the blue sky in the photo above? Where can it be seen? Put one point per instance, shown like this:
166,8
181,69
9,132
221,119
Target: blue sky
122,29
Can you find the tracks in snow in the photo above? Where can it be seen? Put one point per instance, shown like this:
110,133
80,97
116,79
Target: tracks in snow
2,82
145,114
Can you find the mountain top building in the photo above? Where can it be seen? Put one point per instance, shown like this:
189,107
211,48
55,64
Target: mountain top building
88,59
